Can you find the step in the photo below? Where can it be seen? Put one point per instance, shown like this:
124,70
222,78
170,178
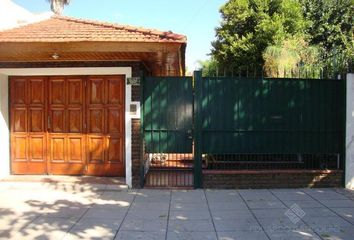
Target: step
169,179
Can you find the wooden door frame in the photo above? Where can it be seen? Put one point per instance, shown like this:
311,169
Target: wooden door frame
127,71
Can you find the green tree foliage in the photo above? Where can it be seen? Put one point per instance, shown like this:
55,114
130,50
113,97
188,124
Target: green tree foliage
292,56
331,28
210,67
286,34
250,26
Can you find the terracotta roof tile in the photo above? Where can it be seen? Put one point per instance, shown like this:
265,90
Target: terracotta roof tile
67,29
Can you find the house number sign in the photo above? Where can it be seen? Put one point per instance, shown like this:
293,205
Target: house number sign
133,81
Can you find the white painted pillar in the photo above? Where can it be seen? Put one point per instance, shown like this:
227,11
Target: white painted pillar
4,127
128,134
349,140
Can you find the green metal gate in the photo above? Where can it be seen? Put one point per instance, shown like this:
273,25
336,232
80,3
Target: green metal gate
167,131
191,124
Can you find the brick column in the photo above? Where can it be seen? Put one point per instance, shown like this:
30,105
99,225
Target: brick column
136,142
136,153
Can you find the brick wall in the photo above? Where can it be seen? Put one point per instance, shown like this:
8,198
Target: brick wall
136,153
272,179
136,150
136,93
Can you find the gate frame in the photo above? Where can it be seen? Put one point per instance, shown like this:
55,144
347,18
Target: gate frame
197,136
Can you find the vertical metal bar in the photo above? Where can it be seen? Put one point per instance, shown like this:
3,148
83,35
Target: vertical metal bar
142,142
197,76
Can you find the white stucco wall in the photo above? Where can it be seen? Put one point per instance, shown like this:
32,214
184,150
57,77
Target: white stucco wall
4,129
349,161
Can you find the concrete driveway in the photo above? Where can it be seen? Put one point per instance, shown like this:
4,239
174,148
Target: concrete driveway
70,210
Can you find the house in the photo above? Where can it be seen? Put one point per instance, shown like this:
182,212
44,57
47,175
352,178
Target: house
67,103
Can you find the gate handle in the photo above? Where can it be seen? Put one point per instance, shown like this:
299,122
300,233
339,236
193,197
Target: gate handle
189,132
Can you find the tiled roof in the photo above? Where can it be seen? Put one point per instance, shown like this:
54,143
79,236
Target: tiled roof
67,29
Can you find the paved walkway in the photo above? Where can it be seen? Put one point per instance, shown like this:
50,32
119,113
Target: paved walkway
52,210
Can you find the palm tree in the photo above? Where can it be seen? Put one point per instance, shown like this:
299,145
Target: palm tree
57,6
292,55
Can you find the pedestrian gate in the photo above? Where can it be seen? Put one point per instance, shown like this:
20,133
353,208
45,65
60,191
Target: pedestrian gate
167,125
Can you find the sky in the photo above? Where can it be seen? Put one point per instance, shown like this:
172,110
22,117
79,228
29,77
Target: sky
196,19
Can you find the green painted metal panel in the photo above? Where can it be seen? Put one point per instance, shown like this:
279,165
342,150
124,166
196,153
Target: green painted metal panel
168,114
271,116
244,116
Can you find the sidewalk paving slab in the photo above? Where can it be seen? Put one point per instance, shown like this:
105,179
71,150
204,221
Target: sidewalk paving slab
54,210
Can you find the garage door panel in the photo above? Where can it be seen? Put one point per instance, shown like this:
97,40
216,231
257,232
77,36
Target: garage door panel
75,120
27,120
18,91
96,149
76,149
36,120
96,121
67,131
21,162
57,150
37,149
105,98
96,91
19,119
57,121
115,150
57,91
19,148
75,93
115,91
36,91
115,121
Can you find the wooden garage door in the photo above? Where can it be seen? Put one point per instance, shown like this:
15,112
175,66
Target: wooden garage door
67,125
66,133
28,125
105,119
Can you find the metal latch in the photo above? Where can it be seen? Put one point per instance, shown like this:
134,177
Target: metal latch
190,134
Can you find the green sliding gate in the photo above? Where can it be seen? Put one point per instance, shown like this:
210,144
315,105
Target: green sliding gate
240,123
